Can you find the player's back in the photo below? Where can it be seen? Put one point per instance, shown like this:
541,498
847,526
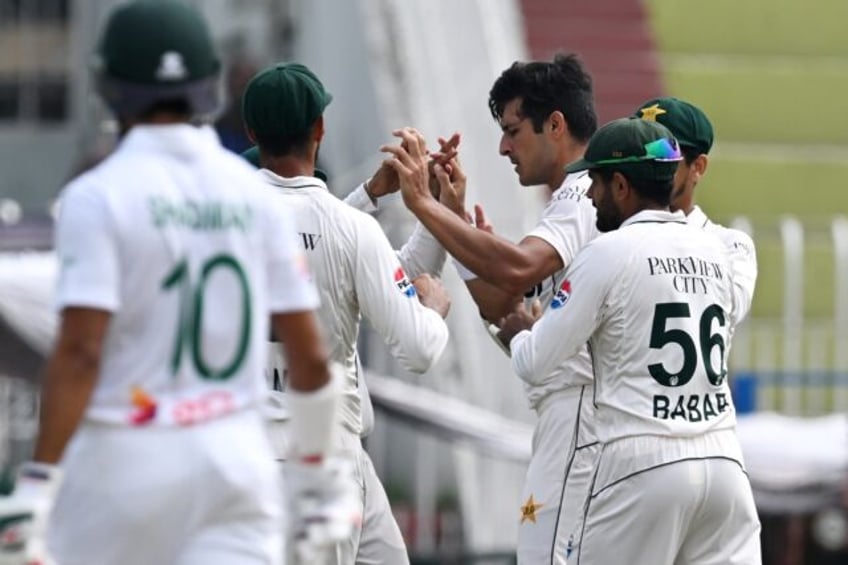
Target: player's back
660,352
184,269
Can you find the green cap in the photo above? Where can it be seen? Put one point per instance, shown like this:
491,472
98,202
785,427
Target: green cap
633,146
284,99
252,156
156,42
687,122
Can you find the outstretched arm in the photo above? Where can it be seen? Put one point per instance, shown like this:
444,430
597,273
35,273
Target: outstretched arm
510,267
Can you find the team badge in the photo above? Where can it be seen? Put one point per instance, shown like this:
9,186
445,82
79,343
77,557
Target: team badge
403,283
528,510
171,67
650,113
562,295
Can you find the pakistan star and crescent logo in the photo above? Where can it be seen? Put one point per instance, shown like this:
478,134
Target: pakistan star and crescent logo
528,510
650,113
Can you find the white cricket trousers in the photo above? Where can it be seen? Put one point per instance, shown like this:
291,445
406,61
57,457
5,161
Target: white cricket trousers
378,541
558,477
201,495
689,511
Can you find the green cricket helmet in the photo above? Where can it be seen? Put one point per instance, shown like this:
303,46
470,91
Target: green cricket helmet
153,51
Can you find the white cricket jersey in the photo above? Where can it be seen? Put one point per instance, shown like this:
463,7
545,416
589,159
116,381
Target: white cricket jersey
179,240
421,254
567,224
655,300
357,273
742,255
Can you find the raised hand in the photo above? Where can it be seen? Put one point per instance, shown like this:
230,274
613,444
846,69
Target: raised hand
410,162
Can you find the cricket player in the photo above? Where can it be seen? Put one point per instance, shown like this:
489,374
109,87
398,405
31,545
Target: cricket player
654,298
174,258
357,273
546,113
694,132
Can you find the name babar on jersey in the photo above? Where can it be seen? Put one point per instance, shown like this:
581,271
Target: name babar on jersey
697,327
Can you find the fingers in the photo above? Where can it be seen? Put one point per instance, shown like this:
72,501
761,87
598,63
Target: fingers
536,309
396,164
400,155
441,174
413,141
444,157
480,219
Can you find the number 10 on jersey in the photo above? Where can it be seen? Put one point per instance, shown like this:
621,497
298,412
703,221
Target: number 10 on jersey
189,338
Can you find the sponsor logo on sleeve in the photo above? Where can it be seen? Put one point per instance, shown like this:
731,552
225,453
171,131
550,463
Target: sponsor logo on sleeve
562,295
403,283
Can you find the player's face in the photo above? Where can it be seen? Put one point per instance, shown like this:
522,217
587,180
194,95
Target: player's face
529,151
608,217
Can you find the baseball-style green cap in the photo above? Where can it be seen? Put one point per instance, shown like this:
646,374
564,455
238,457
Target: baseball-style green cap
252,156
284,99
687,122
632,146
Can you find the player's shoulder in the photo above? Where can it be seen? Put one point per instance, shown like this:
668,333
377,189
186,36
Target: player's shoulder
572,192
733,239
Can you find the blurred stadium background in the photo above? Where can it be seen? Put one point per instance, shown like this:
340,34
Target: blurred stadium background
771,74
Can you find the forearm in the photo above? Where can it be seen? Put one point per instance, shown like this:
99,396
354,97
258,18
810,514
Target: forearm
492,302
422,254
492,258
68,385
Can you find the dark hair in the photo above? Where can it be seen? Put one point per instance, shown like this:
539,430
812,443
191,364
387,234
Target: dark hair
545,87
278,145
179,106
690,154
651,184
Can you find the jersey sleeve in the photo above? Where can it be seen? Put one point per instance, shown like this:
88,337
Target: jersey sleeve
565,224
742,256
290,287
358,199
415,334
577,309
87,249
422,253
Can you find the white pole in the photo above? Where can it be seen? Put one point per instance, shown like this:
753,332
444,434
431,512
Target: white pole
765,364
817,384
839,230
792,234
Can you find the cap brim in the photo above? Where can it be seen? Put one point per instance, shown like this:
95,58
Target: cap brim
579,165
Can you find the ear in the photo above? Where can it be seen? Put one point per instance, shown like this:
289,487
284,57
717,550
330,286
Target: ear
251,135
621,188
318,129
557,124
698,168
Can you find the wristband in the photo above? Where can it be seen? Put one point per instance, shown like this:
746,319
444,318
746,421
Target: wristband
314,417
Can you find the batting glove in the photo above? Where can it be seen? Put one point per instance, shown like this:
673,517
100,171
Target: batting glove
24,515
325,503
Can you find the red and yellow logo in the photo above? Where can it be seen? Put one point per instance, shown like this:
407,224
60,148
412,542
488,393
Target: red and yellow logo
145,407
